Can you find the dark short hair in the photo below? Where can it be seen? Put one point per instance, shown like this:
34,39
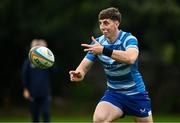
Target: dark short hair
110,13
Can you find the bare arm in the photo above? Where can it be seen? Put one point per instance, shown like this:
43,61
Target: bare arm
129,56
81,70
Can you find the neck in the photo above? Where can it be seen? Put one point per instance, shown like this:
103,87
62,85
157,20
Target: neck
114,37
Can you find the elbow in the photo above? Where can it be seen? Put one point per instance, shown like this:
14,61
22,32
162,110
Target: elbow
131,61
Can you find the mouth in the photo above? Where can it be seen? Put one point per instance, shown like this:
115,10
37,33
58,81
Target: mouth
105,34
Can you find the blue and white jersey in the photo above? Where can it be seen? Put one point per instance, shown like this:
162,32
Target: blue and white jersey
121,77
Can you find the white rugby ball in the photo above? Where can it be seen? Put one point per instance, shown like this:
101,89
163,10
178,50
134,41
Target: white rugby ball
41,57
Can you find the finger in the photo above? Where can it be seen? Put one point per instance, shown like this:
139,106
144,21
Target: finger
87,50
74,72
86,45
71,72
71,79
94,40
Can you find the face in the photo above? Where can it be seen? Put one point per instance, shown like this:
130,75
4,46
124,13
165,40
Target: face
108,27
38,43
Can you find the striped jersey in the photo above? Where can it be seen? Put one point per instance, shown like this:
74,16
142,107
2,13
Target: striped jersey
121,77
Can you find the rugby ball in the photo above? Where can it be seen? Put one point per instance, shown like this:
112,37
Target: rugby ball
41,57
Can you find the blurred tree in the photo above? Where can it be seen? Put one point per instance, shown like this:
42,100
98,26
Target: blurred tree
68,23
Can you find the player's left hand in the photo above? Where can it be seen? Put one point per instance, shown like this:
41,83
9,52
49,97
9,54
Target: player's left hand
95,48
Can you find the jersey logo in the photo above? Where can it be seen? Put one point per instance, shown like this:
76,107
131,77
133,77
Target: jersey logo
142,110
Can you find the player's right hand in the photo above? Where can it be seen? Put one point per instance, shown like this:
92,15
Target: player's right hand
76,76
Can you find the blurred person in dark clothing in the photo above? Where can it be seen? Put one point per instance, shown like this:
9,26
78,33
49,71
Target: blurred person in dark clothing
36,86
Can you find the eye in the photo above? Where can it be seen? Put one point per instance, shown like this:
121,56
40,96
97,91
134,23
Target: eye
106,23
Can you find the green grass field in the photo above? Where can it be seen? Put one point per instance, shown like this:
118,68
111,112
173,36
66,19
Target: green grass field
70,114
82,118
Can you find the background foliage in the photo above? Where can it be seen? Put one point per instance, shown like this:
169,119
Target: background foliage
65,24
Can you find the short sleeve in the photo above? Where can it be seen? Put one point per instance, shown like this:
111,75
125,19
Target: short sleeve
91,57
131,42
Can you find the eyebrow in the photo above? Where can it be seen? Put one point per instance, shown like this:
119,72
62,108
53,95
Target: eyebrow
102,20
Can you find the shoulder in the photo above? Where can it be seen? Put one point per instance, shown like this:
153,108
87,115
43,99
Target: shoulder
126,36
129,40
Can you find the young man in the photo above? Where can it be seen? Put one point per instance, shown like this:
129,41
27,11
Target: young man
118,52
36,87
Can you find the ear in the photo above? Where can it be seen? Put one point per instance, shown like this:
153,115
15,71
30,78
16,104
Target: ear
117,23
